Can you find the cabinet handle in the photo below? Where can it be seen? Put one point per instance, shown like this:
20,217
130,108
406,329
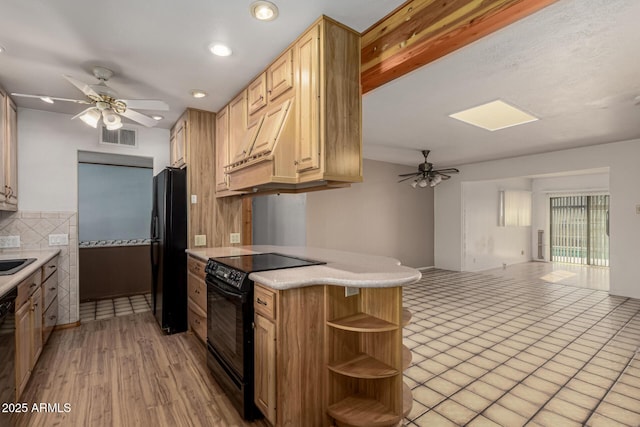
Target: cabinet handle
52,289
33,285
197,291
196,321
259,301
295,162
52,317
51,266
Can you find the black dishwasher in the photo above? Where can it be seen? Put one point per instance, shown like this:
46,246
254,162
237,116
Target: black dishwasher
7,352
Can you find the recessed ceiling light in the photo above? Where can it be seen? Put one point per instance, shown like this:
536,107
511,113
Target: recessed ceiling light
220,49
494,115
157,117
46,99
198,93
264,10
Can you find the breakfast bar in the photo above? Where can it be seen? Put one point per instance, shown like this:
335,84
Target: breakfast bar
327,338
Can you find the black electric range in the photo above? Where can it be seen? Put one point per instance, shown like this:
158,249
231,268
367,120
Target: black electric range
230,320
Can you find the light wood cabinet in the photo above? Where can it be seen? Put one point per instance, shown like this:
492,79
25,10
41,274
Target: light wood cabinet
222,149
280,75
265,367
178,141
8,153
23,347
197,298
257,94
49,288
329,110
237,127
36,326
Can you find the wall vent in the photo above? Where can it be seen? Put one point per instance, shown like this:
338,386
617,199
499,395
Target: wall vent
123,137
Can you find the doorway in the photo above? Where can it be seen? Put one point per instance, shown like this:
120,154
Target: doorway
580,229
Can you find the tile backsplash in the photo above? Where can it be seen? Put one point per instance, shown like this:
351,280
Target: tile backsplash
34,229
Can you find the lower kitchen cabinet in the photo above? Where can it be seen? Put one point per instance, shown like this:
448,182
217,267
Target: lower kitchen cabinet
265,367
197,298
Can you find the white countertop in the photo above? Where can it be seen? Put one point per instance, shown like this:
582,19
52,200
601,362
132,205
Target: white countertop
9,282
342,268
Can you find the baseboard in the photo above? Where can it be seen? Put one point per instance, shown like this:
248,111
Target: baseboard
67,326
425,268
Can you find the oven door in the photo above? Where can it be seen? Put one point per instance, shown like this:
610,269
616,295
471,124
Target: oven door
228,324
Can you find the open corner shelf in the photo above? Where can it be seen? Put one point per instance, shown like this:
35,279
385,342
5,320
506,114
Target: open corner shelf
363,366
362,322
407,399
406,316
406,357
358,410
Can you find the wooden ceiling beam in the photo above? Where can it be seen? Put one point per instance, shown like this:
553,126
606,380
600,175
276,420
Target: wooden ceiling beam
421,31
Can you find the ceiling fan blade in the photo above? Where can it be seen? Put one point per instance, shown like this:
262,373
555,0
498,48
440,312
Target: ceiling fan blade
140,118
410,174
444,176
85,88
53,98
146,104
447,170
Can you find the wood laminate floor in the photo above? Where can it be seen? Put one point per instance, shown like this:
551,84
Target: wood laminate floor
123,372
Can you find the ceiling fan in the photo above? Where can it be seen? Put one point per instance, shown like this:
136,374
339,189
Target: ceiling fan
427,175
105,103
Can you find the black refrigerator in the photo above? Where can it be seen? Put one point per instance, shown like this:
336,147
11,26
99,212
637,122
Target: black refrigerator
168,245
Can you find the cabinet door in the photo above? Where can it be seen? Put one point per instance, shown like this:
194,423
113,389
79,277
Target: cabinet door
180,144
257,93
11,155
23,347
36,326
280,75
237,126
271,127
265,367
222,148
308,111
3,142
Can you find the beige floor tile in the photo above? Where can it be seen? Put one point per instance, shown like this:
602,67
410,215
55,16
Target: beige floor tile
455,412
548,418
446,360
498,381
471,369
627,390
485,390
541,385
623,401
417,409
619,414
504,416
456,377
508,372
551,376
442,386
518,405
578,398
432,366
598,420
471,400
482,421
433,419
569,410
427,397
418,374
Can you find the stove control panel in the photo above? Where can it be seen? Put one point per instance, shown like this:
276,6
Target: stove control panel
226,274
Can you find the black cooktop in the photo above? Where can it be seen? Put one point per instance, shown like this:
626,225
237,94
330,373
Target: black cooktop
264,262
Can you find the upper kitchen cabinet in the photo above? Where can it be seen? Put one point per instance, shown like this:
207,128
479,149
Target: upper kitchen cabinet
8,153
308,132
178,142
222,148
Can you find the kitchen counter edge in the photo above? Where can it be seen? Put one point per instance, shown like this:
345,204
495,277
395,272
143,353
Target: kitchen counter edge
7,283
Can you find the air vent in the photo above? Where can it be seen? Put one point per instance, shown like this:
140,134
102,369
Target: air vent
122,136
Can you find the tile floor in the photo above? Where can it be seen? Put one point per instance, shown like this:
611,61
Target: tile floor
499,351
105,309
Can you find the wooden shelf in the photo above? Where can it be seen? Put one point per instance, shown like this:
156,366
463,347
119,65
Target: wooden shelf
362,322
363,411
363,366
407,399
406,316
406,357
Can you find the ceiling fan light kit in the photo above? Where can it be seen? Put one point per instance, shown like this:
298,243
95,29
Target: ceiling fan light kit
106,104
427,175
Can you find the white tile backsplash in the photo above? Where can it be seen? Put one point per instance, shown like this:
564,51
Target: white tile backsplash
34,229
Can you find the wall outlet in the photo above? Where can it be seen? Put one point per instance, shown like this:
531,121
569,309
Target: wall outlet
200,240
194,199
9,241
350,291
58,239
234,238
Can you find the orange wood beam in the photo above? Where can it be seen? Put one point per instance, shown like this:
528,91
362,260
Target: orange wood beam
421,31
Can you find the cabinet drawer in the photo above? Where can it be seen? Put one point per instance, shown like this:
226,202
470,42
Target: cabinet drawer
49,268
49,320
197,291
28,287
196,267
264,301
50,290
197,320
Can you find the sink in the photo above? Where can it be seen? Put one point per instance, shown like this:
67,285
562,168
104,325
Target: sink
12,266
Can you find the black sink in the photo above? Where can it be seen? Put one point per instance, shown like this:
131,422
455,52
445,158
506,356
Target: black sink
11,266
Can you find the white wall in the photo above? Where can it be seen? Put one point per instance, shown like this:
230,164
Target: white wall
48,145
486,245
378,216
279,219
544,188
624,187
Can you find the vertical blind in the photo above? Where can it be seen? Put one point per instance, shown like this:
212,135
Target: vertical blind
580,229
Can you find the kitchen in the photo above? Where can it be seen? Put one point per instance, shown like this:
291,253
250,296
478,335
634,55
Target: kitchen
38,125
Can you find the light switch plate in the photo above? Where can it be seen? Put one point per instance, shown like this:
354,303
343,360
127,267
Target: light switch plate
234,238
58,239
350,291
200,240
9,241
194,199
